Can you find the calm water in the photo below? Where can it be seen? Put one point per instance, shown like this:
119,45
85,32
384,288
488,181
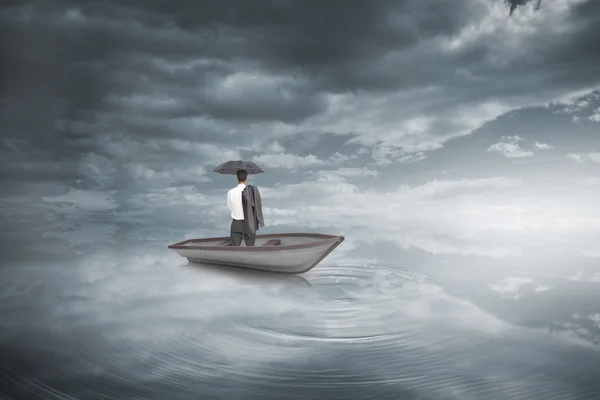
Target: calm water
142,324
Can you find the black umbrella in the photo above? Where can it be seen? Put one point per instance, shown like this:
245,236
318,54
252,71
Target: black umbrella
232,167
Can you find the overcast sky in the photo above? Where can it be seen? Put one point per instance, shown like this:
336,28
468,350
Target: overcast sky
450,128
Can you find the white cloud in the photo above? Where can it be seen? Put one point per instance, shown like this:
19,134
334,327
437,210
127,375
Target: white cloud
543,146
339,158
592,253
274,147
98,169
172,196
271,94
591,181
595,116
208,153
287,161
86,233
165,176
582,157
593,277
595,319
509,287
392,126
121,148
384,155
509,147
409,158
274,156
346,172
576,102
87,200
445,188
577,157
483,216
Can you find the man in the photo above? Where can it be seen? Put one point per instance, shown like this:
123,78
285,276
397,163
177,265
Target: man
246,211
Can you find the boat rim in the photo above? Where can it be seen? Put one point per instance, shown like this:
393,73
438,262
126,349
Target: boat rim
325,238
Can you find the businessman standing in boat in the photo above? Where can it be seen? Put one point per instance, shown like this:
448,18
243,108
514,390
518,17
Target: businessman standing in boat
245,205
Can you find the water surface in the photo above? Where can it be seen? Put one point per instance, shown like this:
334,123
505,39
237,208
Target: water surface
141,323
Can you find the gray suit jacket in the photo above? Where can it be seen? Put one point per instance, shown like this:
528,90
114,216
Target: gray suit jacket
252,204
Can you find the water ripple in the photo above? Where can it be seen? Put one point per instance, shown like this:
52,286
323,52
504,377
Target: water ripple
377,331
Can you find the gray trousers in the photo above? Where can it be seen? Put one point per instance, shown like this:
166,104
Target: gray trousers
238,232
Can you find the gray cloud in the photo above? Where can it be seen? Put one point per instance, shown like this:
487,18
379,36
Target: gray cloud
102,74
513,4
133,103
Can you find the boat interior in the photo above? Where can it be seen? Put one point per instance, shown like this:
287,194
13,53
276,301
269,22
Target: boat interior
272,242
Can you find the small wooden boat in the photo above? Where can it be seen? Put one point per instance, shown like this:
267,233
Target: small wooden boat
293,253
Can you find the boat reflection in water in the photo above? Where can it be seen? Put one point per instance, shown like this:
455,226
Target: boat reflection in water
241,276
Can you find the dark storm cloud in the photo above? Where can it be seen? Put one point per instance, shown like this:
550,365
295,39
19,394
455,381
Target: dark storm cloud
79,77
86,58
349,45
104,48
335,44
513,4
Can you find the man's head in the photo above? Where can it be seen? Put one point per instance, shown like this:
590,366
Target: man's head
242,175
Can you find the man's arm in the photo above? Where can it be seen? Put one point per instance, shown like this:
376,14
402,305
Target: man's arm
229,202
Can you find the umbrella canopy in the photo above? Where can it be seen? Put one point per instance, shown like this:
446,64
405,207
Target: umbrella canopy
232,167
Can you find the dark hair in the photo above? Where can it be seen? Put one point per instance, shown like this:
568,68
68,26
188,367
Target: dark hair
242,175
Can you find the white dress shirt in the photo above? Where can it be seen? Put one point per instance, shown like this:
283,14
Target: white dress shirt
234,201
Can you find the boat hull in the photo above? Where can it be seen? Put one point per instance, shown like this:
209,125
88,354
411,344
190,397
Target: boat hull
294,253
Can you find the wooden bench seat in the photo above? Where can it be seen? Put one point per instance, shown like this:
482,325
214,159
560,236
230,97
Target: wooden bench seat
272,242
226,242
